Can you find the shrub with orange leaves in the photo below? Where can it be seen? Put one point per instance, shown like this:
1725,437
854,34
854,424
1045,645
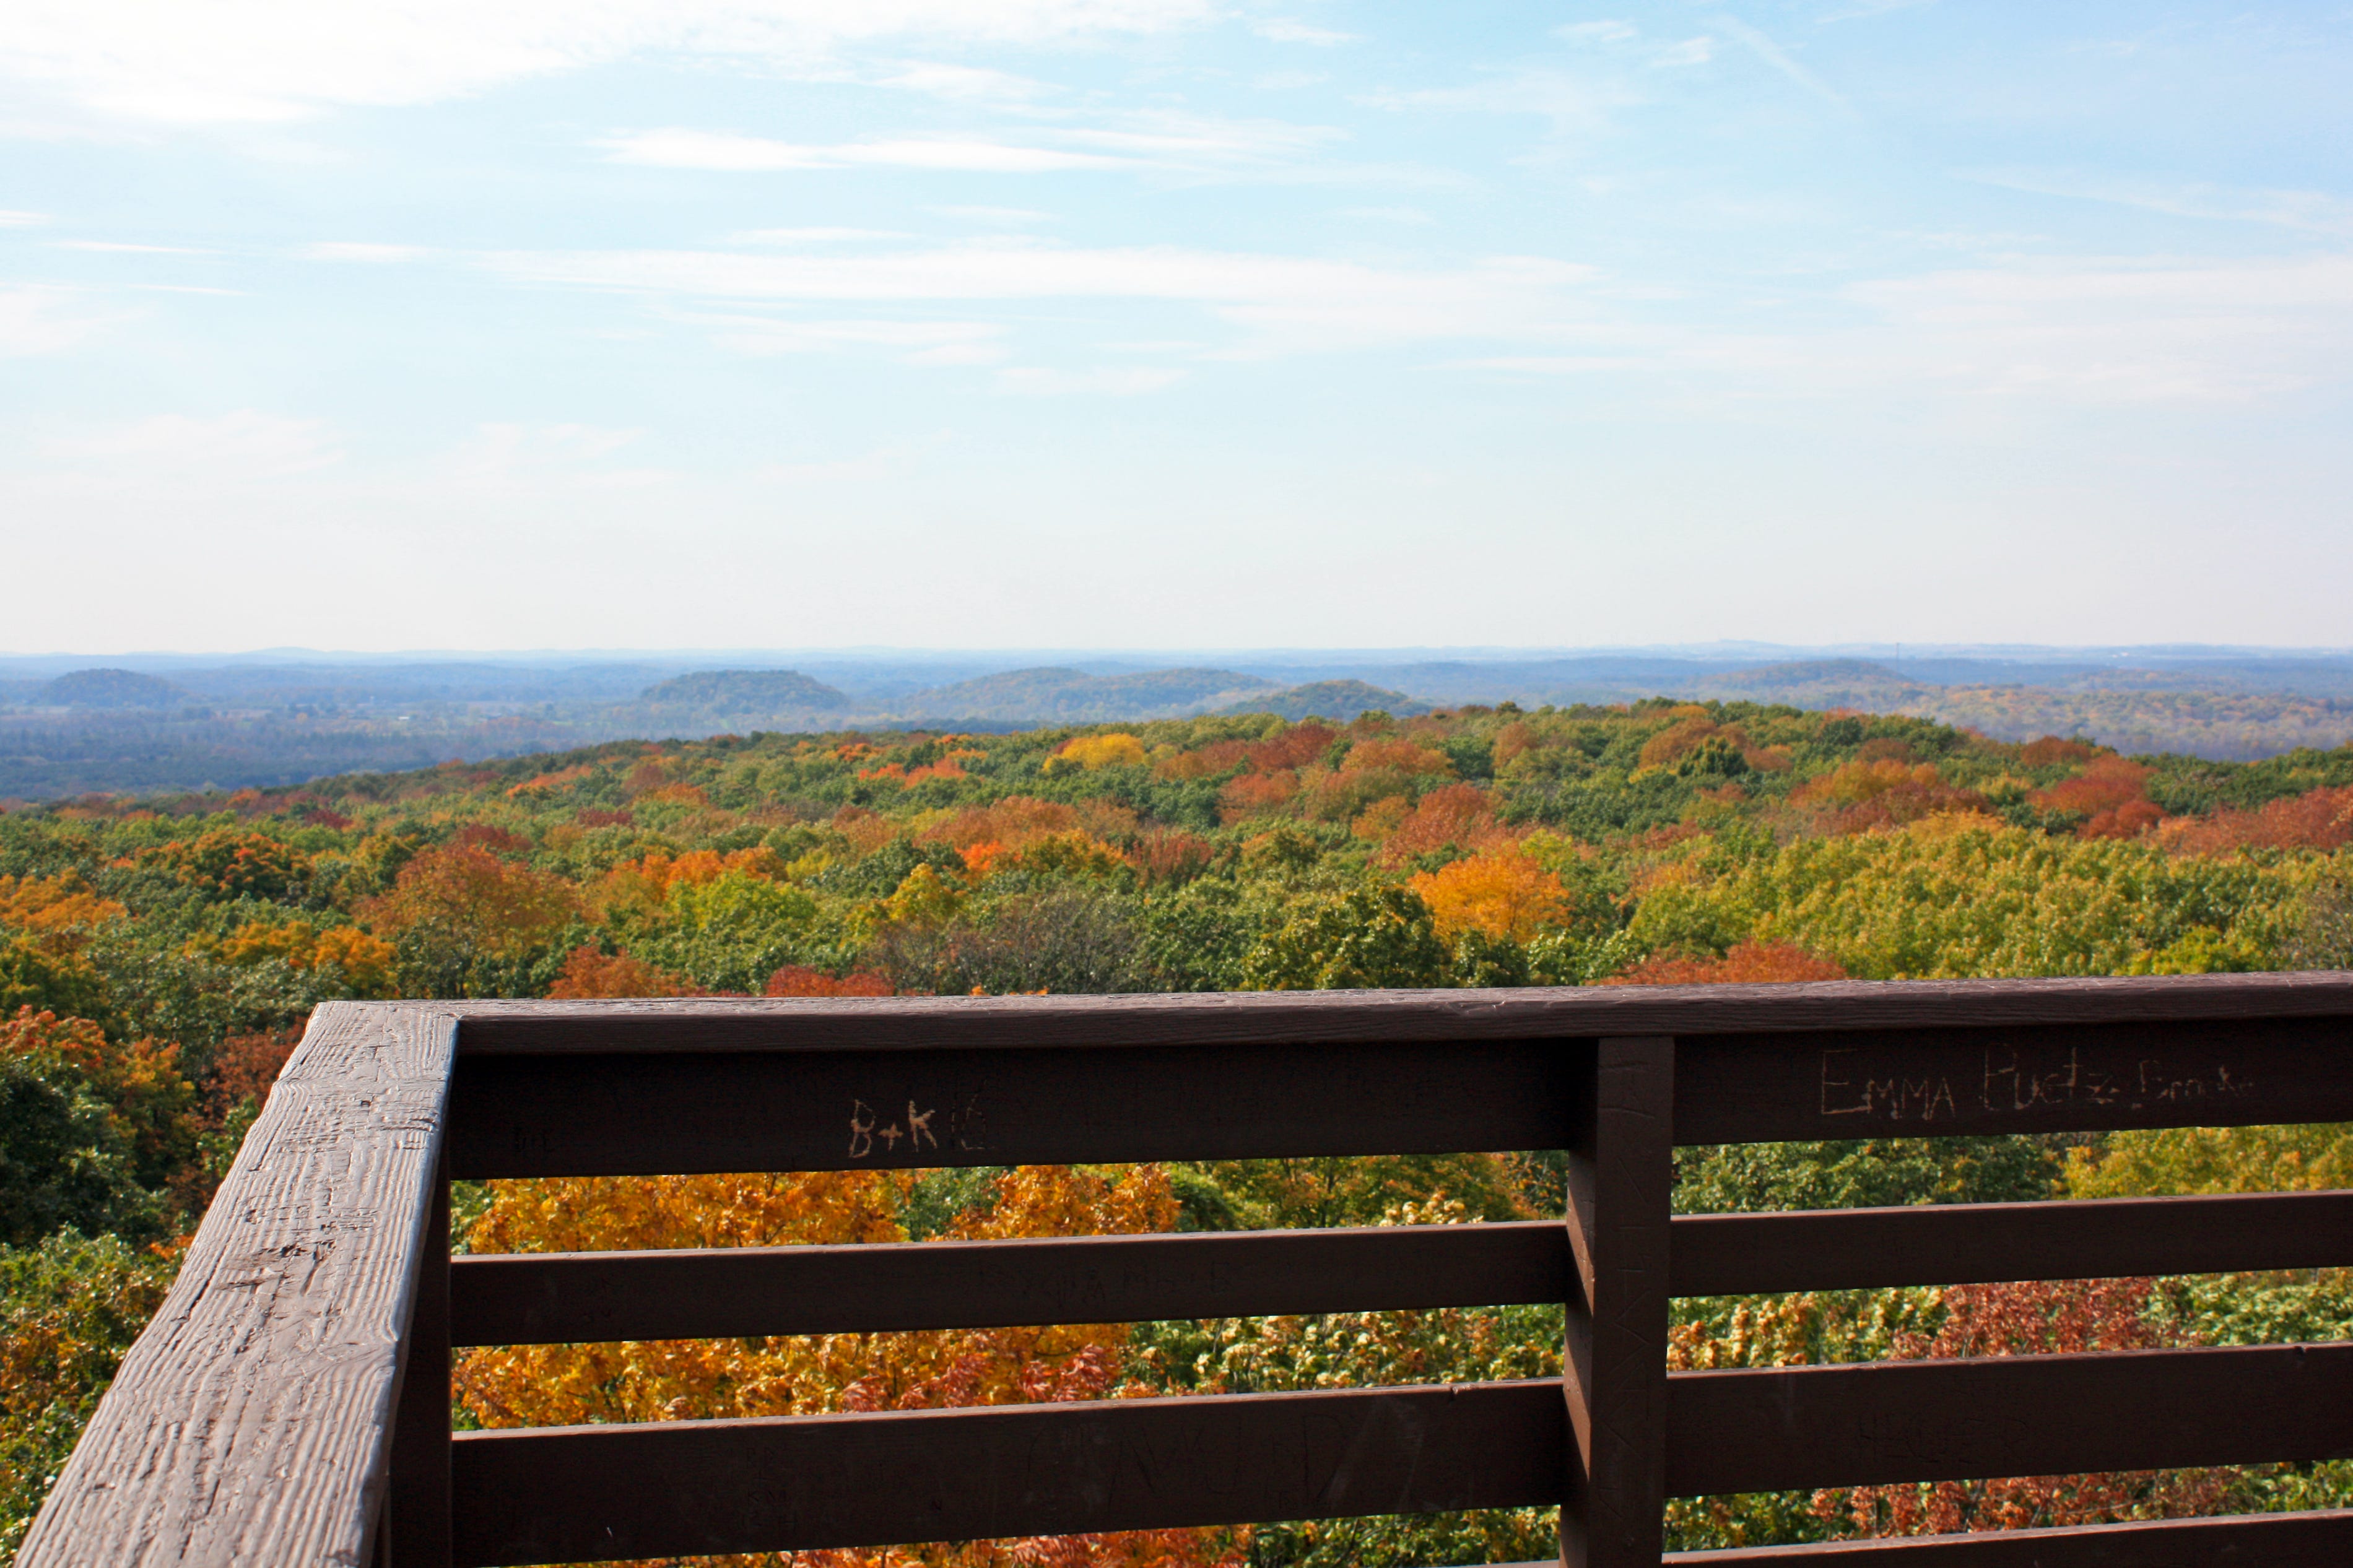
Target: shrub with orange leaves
1170,855
591,972
1015,820
1459,814
1255,795
1503,894
2317,819
2112,794
56,906
224,863
1747,964
2052,751
799,980
1862,796
866,830
1402,755
2063,1317
366,960
460,905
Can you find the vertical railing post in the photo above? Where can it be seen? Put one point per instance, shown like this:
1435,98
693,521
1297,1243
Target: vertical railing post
1621,1198
417,1509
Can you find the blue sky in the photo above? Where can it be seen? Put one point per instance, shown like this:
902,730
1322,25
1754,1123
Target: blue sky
534,323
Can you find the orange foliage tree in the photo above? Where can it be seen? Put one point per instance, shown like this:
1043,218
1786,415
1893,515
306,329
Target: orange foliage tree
805,1375
1504,894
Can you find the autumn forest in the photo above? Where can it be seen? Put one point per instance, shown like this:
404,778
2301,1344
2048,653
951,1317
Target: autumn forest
159,955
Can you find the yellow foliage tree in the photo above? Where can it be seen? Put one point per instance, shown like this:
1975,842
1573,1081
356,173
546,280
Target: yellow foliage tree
1092,751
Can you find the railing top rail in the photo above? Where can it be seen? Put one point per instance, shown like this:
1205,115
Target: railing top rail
722,1024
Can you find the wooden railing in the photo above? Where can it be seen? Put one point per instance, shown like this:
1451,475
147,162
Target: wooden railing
290,1401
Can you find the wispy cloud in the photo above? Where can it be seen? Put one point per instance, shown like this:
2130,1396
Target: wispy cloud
911,343
1032,381
2314,211
128,249
250,60
723,151
1780,59
1282,31
1164,142
22,219
364,252
1285,303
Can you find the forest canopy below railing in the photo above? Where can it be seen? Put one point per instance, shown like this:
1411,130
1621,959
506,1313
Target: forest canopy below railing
158,956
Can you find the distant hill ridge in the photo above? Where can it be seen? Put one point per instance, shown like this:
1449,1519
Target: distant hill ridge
746,691
1342,700
112,688
1057,695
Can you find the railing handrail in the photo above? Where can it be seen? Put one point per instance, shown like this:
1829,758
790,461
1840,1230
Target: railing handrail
260,1419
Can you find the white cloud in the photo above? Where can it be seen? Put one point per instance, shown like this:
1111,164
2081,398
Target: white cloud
1155,140
363,251
1037,381
679,147
815,235
261,60
22,219
962,83
245,445
1280,31
2314,211
1690,52
1288,302
37,319
915,343
2122,331
1780,59
127,248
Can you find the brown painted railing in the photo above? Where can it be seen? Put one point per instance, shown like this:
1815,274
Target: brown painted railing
290,1401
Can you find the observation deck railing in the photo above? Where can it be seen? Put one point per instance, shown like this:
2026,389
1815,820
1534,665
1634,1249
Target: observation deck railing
290,1401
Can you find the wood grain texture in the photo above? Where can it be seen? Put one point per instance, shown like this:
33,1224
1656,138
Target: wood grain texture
1268,1018
2044,1077
250,1422
1621,1190
676,1488
2318,1539
747,1292
1963,1244
2007,1415
661,1114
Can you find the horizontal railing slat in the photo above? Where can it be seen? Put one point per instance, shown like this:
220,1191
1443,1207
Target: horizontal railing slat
735,1292
695,1025
1974,1076
581,1494
660,1115
730,1292
2007,1416
1962,1244
2318,1539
